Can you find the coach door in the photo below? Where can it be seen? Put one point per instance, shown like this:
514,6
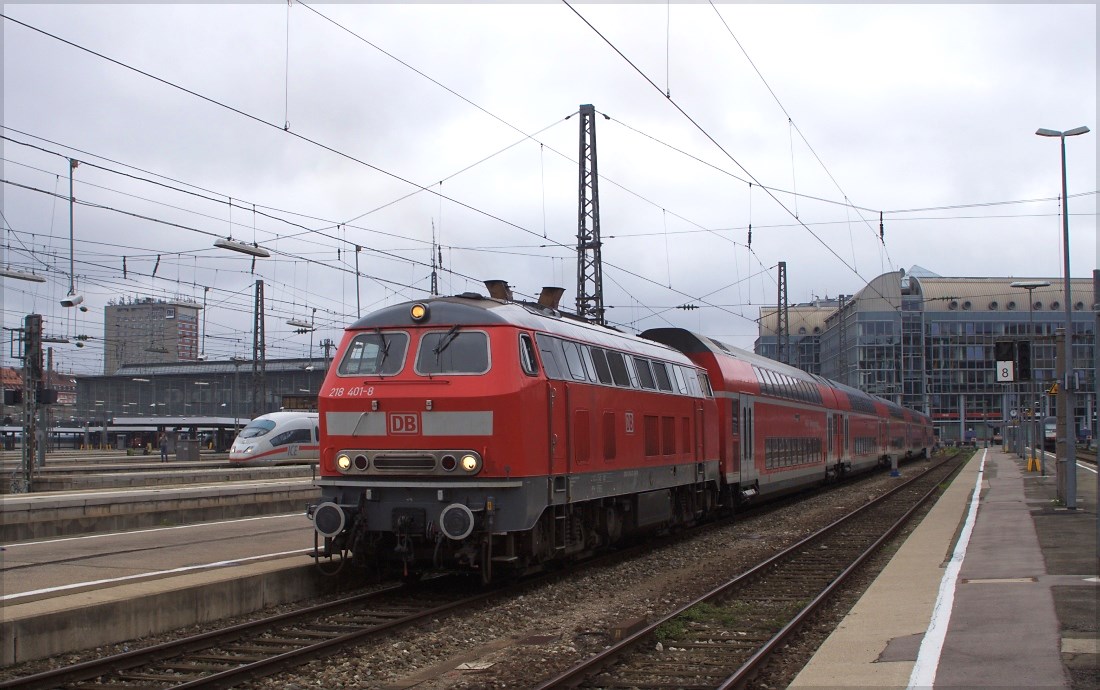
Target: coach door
845,441
830,440
748,468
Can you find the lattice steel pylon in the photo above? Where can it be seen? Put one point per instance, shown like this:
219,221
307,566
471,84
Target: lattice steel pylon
589,265
259,360
782,322
32,382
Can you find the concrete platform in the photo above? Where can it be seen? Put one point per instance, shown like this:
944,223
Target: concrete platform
42,515
997,587
61,595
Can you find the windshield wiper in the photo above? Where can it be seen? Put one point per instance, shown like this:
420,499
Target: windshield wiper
446,341
385,346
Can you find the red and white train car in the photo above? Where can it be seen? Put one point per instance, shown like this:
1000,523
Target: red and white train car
782,429
475,434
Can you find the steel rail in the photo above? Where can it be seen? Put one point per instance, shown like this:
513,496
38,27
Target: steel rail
165,650
588,668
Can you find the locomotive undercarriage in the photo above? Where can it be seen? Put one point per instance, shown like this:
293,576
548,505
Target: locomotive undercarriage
561,534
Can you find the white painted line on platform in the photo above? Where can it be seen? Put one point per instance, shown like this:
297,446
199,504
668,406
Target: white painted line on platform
155,573
928,659
7,547
1086,467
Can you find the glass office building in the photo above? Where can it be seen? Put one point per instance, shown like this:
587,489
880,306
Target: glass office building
927,342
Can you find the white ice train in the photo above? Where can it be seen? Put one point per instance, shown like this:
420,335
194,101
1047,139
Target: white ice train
278,437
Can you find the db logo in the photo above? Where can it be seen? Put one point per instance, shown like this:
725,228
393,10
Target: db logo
403,423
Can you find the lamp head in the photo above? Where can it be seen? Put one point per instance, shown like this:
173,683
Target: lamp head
1029,284
72,300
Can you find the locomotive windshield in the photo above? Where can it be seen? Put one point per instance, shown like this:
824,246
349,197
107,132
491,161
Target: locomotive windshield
453,352
257,428
375,354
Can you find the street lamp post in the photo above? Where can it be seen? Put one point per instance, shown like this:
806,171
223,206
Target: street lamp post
1067,389
1030,285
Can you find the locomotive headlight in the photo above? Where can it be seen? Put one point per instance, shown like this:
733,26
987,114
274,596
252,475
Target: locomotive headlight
419,312
469,462
248,449
343,461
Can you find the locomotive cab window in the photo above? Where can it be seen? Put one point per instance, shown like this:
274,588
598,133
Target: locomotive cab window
453,352
527,355
573,361
617,363
599,358
660,371
257,428
645,374
375,354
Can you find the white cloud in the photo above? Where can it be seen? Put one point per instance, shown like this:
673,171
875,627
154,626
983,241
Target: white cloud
901,106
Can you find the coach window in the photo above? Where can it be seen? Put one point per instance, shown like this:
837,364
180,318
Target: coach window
573,360
527,355
375,354
768,383
292,436
645,374
453,352
617,364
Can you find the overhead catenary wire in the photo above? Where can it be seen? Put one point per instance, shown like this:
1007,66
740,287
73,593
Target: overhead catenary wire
711,138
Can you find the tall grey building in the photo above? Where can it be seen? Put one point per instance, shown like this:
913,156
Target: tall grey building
149,331
927,342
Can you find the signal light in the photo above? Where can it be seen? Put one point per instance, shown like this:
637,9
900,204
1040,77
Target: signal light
1023,361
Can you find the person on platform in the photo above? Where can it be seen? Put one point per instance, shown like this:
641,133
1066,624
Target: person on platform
164,447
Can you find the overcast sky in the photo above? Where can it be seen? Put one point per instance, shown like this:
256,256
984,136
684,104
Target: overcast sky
313,129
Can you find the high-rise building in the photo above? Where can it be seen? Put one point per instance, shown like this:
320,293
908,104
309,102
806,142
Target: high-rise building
927,342
149,331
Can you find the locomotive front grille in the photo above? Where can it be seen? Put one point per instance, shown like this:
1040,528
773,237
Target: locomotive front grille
404,463
420,462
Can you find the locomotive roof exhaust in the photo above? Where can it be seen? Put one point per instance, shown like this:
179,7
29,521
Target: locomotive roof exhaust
499,289
550,297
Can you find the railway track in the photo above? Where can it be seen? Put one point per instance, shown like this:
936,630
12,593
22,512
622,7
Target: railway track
722,639
229,656
1088,456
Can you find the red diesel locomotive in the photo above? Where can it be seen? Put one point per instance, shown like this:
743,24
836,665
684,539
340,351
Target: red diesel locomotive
478,434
